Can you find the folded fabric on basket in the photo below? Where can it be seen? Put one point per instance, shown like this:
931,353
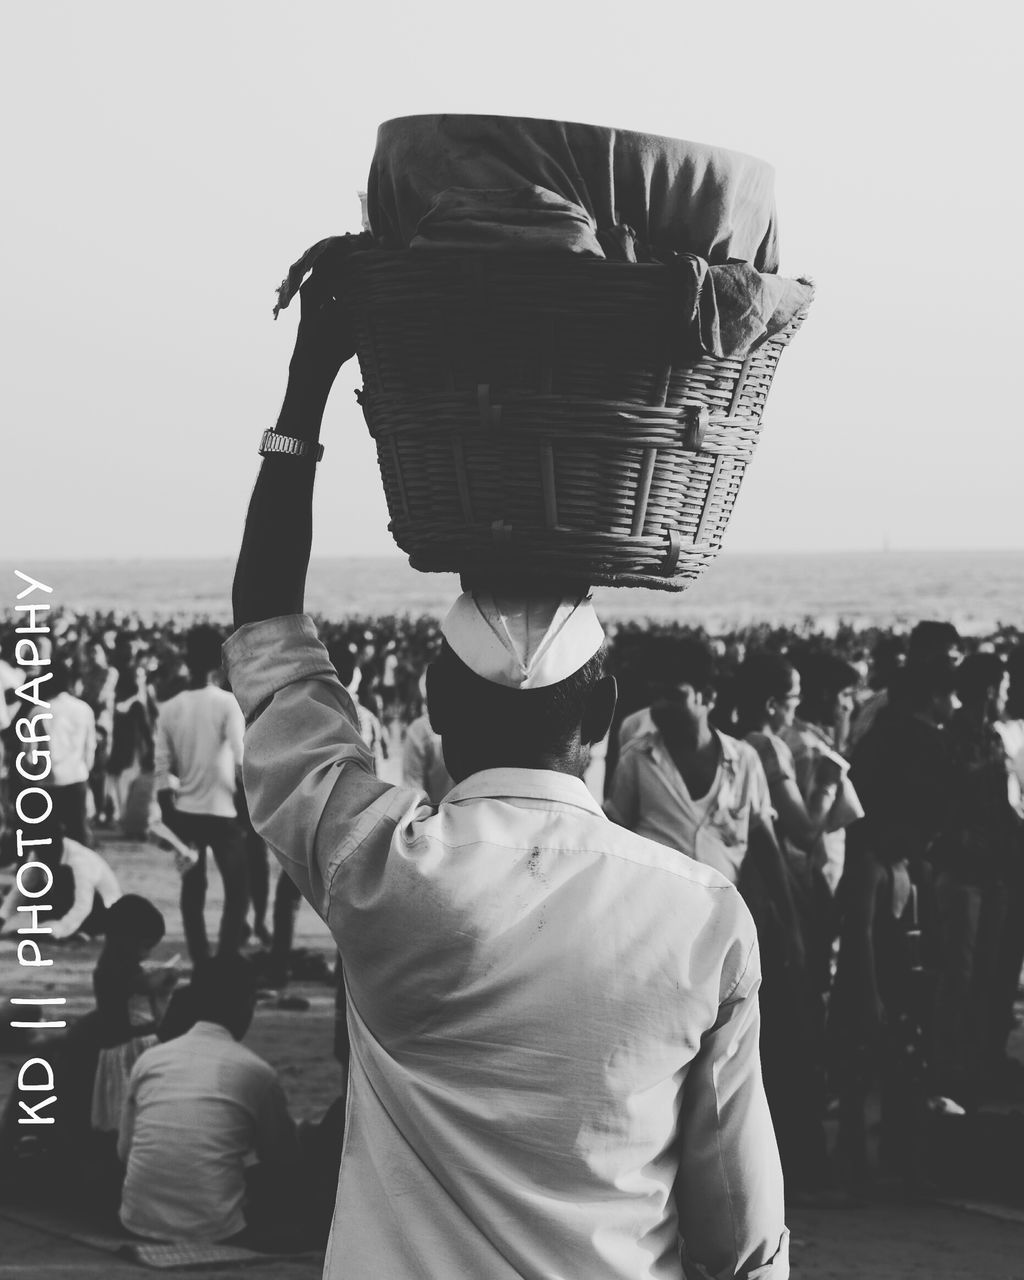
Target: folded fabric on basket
675,195
501,184
749,306
529,219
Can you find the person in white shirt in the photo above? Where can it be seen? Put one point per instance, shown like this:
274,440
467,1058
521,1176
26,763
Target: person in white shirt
684,784
72,749
553,1021
199,747
199,1109
92,889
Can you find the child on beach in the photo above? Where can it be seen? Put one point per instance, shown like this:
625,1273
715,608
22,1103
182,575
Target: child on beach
130,1002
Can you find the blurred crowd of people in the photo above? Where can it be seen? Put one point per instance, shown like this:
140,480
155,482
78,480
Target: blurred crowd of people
863,790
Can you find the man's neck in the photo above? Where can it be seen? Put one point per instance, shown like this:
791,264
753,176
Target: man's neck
695,752
689,737
573,764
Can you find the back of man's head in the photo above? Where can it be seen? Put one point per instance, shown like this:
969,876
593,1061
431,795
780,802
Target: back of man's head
202,650
487,725
930,639
224,991
60,676
928,687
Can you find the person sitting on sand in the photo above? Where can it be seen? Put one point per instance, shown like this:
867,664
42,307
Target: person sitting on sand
92,1063
198,1108
83,888
130,1002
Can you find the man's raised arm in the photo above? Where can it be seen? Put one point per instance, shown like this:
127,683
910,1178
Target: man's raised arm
270,578
309,779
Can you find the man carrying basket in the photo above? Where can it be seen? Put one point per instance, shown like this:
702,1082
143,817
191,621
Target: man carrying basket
553,1021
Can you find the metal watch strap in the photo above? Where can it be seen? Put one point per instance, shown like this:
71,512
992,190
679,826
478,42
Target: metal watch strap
291,446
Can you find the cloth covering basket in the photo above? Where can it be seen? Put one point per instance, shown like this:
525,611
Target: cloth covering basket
546,416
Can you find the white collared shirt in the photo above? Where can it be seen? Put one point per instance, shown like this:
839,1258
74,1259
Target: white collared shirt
197,1109
92,876
553,1022
650,797
72,743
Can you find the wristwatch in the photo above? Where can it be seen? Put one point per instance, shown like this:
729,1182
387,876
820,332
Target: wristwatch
274,442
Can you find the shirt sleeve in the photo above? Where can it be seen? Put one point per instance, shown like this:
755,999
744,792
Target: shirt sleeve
729,1192
309,777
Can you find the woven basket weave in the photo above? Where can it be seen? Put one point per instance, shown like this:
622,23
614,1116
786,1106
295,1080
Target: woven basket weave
547,416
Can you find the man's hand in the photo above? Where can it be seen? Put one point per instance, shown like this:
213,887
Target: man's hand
324,340
270,578
322,345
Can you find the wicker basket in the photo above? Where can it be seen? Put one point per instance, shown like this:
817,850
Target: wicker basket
547,417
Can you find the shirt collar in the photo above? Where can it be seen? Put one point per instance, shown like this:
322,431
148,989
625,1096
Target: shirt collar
212,1029
729,747
525,784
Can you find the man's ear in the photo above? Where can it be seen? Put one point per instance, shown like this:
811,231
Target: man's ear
437,698
597,718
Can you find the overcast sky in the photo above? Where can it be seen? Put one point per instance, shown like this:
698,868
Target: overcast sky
166,162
